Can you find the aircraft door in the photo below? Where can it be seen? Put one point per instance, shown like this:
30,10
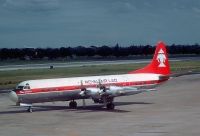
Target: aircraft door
126,81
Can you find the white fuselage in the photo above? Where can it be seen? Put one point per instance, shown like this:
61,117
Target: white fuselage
62,89
90,80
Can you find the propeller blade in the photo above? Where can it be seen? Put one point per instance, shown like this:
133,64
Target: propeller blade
81,82
84,104
104,101
82,93
83,89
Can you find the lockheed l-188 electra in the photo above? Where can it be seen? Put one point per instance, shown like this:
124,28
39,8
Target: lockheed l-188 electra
101,89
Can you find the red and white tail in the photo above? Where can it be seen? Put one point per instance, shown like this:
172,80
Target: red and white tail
159,63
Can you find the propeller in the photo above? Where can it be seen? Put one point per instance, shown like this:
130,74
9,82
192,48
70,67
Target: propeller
102,88
83,93
83,89
102,91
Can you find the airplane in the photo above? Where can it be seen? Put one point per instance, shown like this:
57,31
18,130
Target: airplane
101,89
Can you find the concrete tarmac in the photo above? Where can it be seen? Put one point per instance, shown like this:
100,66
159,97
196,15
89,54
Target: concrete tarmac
174,110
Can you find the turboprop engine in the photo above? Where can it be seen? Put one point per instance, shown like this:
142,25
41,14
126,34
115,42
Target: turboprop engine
97,93
92,92
114,90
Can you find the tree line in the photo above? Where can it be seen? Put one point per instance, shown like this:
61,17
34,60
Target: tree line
92,51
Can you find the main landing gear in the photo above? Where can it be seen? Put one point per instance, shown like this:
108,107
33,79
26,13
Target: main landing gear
110,106
73,104
108,102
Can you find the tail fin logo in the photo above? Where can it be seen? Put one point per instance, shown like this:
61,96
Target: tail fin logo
161,58
159,64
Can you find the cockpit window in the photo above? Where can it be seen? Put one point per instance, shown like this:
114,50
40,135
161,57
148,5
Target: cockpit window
20,87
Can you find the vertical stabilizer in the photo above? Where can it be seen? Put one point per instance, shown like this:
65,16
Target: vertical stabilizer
159,63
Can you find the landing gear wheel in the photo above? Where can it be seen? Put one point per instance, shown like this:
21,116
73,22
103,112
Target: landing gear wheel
73,104
110,106
30,109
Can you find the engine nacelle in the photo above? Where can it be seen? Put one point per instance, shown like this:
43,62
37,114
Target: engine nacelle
114,90
94,92
97,93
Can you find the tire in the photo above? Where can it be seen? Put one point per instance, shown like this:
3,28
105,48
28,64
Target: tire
110,106
73,104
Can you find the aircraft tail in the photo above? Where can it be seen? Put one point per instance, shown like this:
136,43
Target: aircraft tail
159,63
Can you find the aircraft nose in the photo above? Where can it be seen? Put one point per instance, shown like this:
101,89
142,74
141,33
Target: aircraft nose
13,96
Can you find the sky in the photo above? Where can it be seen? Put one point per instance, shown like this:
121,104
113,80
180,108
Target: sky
57,23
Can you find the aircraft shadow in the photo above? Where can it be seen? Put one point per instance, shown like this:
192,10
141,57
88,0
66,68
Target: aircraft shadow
94,108
80,109
131,103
